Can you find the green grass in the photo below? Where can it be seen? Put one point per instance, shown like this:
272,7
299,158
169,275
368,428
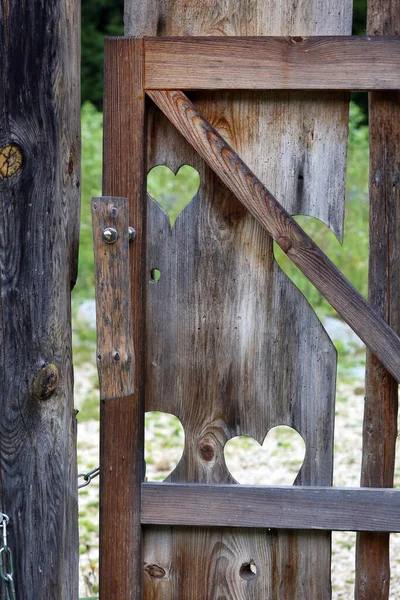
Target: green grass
92,136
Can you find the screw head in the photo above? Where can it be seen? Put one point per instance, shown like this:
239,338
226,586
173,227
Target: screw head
110,235
132,234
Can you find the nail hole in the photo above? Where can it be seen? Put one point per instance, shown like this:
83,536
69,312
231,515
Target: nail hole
155,274
248,571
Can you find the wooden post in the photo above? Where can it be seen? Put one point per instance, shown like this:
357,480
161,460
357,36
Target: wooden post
39,219
381,402
122,419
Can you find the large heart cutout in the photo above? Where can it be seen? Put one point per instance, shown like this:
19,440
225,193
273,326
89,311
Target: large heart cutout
173,192
164,443
276,462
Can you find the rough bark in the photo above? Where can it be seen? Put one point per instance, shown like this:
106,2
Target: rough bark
39,218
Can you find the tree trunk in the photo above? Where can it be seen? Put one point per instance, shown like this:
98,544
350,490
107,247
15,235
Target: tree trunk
39,219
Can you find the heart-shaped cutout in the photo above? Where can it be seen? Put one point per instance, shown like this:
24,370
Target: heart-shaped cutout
276,462
173,192
164,443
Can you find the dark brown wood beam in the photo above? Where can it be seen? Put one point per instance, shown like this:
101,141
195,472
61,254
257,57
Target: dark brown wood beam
289,63
39,233
326,508
122,419
381,393
115,352
299,247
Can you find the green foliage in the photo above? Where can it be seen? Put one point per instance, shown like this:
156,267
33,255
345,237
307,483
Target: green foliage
359,16
92,135
100,18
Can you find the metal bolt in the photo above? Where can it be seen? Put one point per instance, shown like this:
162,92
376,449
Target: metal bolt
132,234
110,235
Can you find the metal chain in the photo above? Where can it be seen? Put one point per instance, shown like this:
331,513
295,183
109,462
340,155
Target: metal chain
87,477
6,561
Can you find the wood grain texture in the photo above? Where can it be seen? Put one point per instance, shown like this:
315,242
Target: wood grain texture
381,402
351,306
217,274
121,420
115,352
305,133
39,234
273,63
338,509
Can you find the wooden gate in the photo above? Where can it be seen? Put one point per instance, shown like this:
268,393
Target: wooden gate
224,340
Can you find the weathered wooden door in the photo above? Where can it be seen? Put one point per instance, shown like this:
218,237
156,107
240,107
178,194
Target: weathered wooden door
223,339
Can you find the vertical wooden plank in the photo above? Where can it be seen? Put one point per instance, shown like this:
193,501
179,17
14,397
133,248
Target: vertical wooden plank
381,401
39,229
222,315
115,352
121,419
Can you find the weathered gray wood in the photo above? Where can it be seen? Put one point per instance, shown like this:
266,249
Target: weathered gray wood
274,63
266,128
351,306
39,224
305,133
336,509
293,133
122,419
381,402
115,352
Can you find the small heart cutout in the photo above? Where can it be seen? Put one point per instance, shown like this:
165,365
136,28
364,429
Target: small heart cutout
164,443
173,192
276,462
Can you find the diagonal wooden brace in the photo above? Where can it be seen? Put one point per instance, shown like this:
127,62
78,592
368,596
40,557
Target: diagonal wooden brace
311,260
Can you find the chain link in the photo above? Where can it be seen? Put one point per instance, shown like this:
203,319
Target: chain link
6,561
87,477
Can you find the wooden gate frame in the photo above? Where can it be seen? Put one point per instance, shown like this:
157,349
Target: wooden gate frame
152,66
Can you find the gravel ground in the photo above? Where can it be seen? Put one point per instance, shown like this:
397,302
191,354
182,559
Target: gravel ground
164,442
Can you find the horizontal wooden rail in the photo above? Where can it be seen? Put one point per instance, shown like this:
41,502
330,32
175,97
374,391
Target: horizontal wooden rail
316,266
313,63
326,508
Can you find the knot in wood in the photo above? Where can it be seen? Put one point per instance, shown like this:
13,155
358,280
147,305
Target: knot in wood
285,243
45,382
206,451
10,161
155,571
